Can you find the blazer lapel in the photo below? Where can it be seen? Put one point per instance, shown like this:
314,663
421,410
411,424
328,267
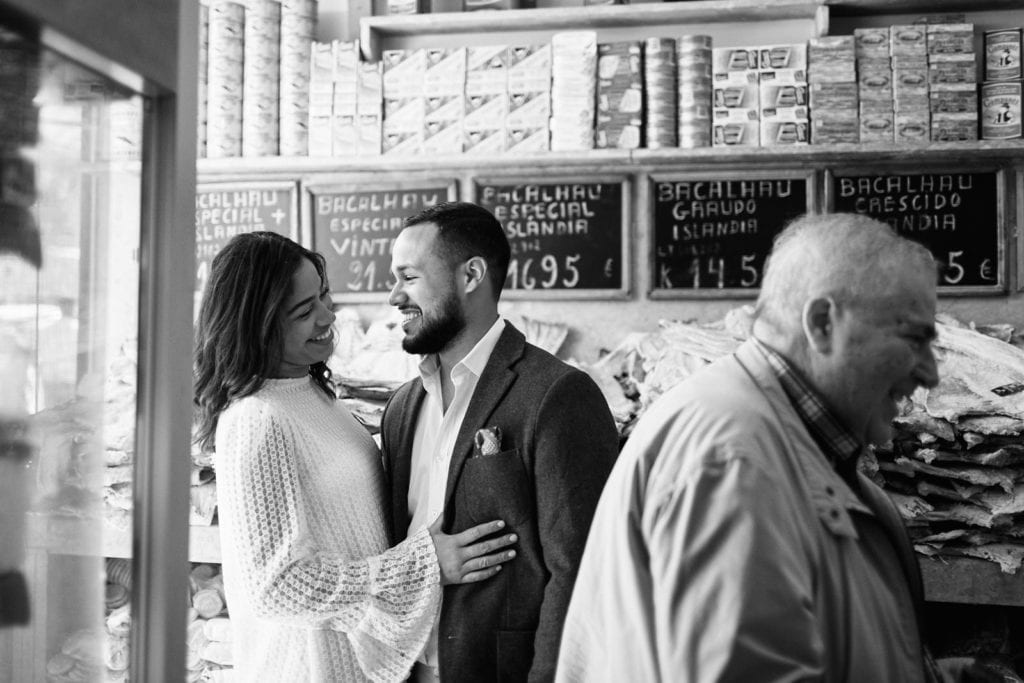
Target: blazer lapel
401,458
490,390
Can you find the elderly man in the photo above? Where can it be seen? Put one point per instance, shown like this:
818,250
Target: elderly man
735,539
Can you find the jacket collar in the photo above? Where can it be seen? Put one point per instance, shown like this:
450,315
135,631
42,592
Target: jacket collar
833,500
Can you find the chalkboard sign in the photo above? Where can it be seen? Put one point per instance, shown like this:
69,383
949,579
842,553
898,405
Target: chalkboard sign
224,210
958,216
713,233
568,235
355,225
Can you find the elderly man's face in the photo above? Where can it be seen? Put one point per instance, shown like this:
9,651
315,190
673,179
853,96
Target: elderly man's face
882,354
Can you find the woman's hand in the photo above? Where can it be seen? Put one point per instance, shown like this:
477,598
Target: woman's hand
463,560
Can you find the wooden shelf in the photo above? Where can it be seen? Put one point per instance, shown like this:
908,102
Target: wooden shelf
265,168
970,581
67,535
876,7
376,31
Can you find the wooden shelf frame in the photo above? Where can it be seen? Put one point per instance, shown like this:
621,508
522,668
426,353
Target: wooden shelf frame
939,153
375,30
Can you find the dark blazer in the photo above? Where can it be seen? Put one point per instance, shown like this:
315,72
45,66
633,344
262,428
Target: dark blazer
558,446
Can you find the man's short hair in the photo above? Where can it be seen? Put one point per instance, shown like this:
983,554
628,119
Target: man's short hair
849,257
466,230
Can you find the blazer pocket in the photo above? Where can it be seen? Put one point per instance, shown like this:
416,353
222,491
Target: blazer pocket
495,487
515,655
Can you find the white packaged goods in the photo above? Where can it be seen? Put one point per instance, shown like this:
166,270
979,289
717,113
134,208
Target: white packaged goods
261,79
526,139
529,68
404,72
224,79
445,71
486,69
776,57
573,90
736,134
483,141
776,132
442,136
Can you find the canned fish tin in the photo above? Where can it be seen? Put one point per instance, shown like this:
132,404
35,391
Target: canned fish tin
1001,110
1002,54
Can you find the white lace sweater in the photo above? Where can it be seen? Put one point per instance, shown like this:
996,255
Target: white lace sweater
313,591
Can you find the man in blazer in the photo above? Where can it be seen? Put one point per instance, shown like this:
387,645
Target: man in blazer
494,428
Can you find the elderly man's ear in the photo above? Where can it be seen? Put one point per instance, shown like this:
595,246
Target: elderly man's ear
819,323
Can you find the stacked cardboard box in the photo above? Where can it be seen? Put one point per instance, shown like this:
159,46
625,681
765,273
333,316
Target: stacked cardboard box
736,117
832,81
875,85
404,103
908,48
573,90
486,107
444,101
782,76
529,98
953,82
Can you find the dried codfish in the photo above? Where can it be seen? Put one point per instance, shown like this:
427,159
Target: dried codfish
977,373
1002,425
919,422
990,476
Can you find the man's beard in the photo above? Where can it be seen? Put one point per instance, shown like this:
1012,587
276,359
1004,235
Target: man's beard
436,332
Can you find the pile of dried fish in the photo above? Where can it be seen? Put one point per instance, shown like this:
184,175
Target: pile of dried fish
956,465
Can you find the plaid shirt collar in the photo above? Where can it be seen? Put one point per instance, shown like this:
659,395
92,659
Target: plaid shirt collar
840,446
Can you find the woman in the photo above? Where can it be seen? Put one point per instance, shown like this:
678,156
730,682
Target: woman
313,590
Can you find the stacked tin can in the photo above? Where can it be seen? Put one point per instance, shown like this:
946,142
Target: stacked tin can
298,26
261,74
204,72
1001,90
224,79
660,108
573,90
693,64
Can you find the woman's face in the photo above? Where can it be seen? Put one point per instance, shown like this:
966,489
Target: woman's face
307,317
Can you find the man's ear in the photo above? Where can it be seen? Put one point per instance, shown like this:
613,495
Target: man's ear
475,273
819,323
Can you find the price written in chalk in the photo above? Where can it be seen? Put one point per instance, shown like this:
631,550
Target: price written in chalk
955,215
355,227
565,234
545,272
226,210
715,234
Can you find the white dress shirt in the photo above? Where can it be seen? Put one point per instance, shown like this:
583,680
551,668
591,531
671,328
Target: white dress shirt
434,441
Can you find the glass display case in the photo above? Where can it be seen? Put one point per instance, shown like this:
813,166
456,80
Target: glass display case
97,140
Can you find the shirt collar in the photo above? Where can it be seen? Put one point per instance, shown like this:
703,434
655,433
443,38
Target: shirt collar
475,361
841,447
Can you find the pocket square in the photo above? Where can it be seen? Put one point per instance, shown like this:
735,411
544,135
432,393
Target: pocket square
487,442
